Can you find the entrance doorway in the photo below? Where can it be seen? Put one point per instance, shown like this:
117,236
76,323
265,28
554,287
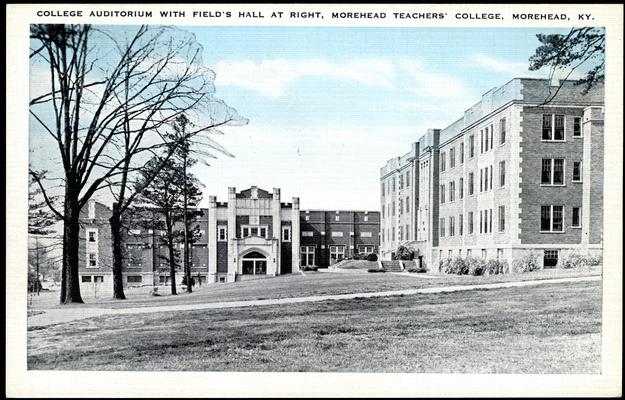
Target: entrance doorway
254,263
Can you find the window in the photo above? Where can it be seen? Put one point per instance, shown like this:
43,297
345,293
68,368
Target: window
365,234
407,232
382,185
286,234
383,207
443,162
552,171
452,191
470,220
134,279
222,233
499,254
461,188
98,279
577,218
502,174
441,227
393,234
401,181
365,249
460,225
470,183
307,233
393,181
486,179
85,278
337,234
577,171
502,131
553,127
393,208
307,255
490,220
481,180
462,153
442,194
550,259
452,226
401,233
481,221
492,132
452,158
481,141
502,218
551,218
484,253
92,235
468,252
471,146
93,260
491,177
308,218
337,218
407,203
366,218
400,206
577,127
407,178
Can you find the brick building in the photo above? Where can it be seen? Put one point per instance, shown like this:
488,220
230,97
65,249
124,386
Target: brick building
252,235
512,174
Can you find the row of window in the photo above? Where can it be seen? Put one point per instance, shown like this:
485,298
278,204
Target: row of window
554,171
403,233
486,183
554,127
469,253
364,234
337,218
485,225
403,205
337,253
389,185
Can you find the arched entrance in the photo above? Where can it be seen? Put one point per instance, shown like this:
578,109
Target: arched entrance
254,263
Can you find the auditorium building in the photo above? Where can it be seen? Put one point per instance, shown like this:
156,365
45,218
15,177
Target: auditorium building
252,235
520,170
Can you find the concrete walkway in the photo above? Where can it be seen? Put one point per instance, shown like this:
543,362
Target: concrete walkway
58,316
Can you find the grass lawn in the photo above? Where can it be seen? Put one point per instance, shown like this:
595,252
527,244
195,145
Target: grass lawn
357,264
295,285
551,328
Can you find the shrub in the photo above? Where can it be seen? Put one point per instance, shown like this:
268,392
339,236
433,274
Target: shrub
310,268
458,266
573,260
475,266
493,267
593,260
444,265
375,270
403,253
372,257
528,262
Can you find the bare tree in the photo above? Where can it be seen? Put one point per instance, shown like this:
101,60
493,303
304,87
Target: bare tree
111,92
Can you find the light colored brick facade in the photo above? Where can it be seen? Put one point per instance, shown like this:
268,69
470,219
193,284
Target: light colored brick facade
532,164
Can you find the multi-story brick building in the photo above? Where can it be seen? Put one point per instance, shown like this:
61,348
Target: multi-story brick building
252,235
516,172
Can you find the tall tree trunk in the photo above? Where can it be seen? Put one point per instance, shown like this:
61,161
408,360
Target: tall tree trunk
71,232
116,236
172,265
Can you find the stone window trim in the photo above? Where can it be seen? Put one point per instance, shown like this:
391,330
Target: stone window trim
286,233
551,220
92,235
92,259
581,170
258,228
553,129
551,181
222,233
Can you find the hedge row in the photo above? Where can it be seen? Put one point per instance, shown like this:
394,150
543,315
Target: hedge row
472,266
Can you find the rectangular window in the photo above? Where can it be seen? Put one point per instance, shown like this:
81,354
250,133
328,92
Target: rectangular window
553,127
577,171
442,194
502,218
470,183
550,258
452,191
365,234
441,226
502,174
461,224
393,234
491,177
452,158
551,218
481,221
134,279
401,233
407,178
577,127
470,222
481,180
443,162
481,141
222,233
393,208
577,217
452,227
307,233
462,153
502,131
490,220
407,203
552,171
401,181
93,260
393,182
85,278
337,234
92,236
471,146
486,179
492,133
286,234
307,255
400,206
461,188
98,278
366,218
407,233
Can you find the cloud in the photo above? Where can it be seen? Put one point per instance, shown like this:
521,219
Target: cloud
272,77
499,66
429,84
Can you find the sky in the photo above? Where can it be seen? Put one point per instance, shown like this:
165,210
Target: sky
328,106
